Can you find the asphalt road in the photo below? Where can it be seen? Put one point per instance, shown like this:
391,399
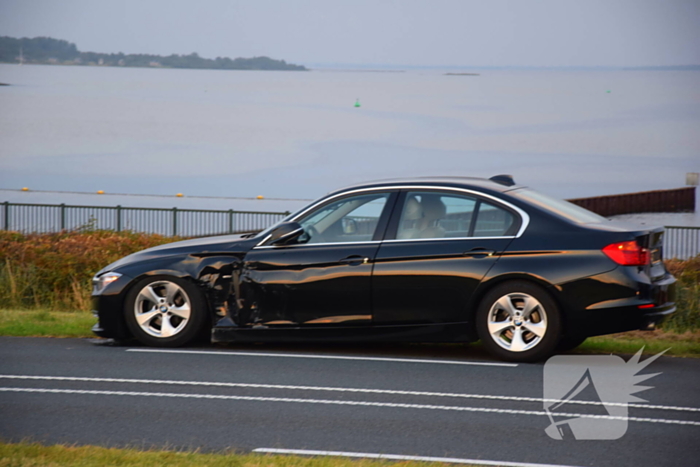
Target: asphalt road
439,401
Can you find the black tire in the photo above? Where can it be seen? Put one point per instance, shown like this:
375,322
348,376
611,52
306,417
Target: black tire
155,311
513,336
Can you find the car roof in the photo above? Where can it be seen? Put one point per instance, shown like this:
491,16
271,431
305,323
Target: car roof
449,181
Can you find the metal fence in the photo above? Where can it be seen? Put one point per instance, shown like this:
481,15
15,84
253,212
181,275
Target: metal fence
681,242
41,218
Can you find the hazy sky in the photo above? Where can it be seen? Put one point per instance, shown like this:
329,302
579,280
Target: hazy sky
382,32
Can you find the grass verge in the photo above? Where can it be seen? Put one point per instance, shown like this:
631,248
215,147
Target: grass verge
44,323
34,454
685,344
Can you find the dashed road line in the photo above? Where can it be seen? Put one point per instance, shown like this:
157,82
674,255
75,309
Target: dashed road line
340,402
347,390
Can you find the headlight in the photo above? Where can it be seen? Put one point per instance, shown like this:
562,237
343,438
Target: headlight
99,283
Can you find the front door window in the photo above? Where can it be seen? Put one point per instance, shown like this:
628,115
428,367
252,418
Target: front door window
352,219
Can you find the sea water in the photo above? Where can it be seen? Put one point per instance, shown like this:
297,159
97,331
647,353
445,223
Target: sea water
293,136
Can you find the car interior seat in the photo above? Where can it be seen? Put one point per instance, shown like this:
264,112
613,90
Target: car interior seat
433,210
412,214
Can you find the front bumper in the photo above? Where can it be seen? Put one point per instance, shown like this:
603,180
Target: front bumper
110,317
108,308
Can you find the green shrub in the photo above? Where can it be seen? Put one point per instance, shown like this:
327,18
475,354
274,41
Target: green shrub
55,270
687,316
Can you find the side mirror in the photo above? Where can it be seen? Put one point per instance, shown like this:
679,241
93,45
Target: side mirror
285,233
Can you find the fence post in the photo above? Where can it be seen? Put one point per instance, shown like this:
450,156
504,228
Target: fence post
7,215
63,216
230,221
174,221
119,218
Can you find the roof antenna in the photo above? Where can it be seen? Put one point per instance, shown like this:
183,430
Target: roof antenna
503,179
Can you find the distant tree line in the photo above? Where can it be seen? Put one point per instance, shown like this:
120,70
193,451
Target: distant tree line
46,50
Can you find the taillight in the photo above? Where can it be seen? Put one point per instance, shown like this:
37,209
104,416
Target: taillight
628,253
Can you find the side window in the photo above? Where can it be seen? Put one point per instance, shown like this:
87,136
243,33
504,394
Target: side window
435,215
352,219
440,215
493,221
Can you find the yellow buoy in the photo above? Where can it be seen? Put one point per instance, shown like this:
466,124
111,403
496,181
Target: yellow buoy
25,189
260,197
179,195
100,192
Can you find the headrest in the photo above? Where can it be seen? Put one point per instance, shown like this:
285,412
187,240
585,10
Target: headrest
413,210
433,207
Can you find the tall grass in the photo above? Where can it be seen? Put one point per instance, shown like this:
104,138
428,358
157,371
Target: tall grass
687,316
54,271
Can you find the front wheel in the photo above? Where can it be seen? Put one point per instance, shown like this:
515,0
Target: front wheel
165,311
519,322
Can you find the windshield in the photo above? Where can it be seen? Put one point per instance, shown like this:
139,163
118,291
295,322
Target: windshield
558,206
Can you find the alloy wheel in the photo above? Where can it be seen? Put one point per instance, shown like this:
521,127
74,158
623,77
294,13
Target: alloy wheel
162,309
517,322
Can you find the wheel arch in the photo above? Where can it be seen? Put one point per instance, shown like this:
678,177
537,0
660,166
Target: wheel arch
552,290
164,272
486,287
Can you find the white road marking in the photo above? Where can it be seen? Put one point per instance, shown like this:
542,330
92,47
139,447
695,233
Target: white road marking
329,357
337,389
340,402
399,457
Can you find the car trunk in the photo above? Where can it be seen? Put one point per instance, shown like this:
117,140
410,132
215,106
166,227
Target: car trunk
656,285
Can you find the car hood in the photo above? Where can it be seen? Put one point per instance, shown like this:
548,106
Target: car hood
207,245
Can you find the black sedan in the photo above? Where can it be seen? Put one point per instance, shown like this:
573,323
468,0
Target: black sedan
423,260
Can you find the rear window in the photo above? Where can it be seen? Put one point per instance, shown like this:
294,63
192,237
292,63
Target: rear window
558,206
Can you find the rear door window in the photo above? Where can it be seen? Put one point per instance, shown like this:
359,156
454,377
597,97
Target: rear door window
493,221
429,214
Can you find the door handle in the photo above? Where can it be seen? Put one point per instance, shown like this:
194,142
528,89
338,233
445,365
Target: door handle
479,252
354,260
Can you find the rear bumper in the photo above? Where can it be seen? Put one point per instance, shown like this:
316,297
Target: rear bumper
631,302
612,321
651,320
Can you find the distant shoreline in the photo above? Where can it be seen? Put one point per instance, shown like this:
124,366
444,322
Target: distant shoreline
49,51
92,65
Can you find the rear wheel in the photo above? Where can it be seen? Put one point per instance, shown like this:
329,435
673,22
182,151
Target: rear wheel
165,311
518,321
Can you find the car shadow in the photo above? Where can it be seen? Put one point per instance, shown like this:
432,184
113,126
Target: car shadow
456,351
436,351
